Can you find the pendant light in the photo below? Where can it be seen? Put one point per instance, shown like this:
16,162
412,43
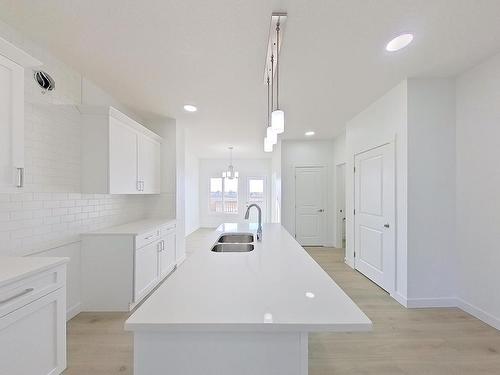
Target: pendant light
271,134
230,173
278,116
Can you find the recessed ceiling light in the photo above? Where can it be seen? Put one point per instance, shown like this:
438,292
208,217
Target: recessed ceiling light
190,108
309,133
399,42
309,294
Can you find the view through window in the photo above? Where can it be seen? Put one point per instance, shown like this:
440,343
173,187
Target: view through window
223,195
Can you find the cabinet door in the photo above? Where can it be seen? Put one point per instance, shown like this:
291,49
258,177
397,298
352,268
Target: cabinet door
148,159
122,158
167,254
146,269
33,337
11,120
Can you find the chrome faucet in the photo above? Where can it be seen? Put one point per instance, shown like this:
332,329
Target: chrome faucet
259,229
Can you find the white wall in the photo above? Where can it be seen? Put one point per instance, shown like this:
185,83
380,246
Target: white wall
478,181
431,191
47,216
382,122
192,188
246,168
305,153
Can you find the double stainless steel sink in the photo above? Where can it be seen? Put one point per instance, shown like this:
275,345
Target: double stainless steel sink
234,243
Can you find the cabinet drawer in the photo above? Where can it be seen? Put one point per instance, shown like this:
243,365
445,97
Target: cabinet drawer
146,238
167,229
22,292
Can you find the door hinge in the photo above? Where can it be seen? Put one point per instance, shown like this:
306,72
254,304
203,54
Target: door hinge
354,211
354,169
354,254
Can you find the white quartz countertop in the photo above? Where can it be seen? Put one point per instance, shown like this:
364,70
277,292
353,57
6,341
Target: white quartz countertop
16,268
133,228
261,290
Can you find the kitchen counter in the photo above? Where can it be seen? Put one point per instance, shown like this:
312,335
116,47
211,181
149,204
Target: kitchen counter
265,301
133,228
16,268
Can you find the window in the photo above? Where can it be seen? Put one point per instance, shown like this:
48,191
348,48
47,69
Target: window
256,193
223,195
255,190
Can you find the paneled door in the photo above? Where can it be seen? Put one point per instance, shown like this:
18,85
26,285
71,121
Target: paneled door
374,203
310,205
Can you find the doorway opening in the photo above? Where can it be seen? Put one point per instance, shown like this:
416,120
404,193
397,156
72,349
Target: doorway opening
340,207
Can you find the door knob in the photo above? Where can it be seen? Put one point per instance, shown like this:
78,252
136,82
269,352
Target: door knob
321,210
386,225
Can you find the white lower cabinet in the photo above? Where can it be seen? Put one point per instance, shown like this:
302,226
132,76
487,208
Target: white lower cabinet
33,329
122,265
146,269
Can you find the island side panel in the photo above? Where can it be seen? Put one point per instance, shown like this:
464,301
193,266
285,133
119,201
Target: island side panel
214,353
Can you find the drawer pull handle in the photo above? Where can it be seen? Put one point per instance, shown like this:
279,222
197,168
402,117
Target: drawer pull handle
20,294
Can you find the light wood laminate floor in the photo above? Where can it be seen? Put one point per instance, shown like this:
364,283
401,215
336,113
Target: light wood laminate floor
414,341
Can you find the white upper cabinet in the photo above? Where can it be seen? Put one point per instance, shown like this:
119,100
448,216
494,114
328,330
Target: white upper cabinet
119,155
13,61
122,158
148,164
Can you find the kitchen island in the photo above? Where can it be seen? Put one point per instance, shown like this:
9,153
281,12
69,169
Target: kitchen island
241,313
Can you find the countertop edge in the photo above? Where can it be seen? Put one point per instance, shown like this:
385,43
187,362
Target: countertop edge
57,262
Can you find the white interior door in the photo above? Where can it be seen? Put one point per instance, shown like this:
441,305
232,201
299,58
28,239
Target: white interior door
374,202
310,205
148,164
122,158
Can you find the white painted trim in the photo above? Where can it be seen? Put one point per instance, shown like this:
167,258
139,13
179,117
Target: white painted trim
349,262
73,311
417,303
400,299
17,55
478,313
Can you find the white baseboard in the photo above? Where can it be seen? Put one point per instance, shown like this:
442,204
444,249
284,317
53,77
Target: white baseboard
419,303
478,313
399,298
349,262
73,311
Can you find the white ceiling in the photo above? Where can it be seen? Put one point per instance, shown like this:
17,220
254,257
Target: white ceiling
157,55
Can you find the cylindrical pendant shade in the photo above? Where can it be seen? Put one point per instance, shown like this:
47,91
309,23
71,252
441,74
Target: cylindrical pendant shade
268,146
278,121
271,135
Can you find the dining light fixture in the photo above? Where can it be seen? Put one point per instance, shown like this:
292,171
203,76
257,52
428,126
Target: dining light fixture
277,116
230,173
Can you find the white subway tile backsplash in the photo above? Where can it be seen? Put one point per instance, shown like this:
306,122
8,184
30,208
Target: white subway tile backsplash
51,211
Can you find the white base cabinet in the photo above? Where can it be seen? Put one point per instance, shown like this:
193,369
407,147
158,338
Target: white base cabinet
122,265
33,324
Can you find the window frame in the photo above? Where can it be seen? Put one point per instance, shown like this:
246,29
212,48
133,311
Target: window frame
215,213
